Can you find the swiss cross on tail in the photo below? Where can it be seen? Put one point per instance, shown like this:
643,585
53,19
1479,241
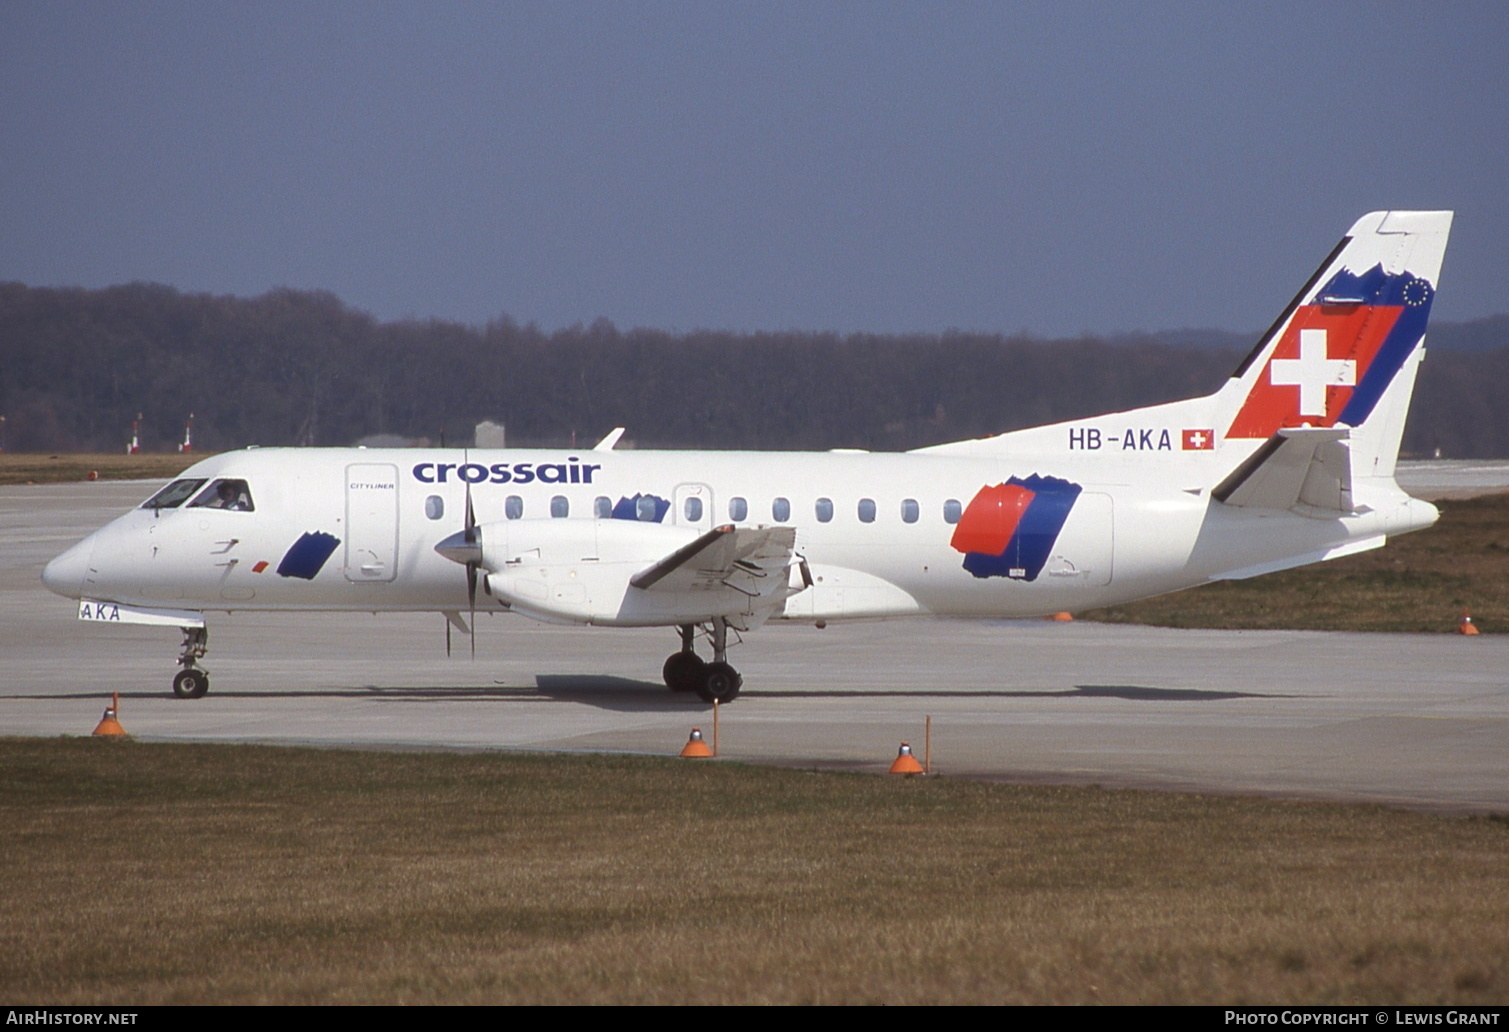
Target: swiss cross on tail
1338,353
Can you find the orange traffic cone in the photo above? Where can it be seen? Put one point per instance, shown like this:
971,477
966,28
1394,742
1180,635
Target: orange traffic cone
108,725
906,763
695,747
1465,625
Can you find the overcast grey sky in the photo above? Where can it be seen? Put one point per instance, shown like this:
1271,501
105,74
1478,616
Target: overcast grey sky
887,167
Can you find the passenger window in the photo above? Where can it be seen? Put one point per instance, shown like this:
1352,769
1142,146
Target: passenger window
434,507
824,510
602,507
910,510
780,510
513,507
172,496
693,510
559,507
738,509
225,494
867,510
644,509
952,510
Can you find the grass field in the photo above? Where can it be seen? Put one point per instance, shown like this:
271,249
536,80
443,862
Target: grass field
53,469
137,873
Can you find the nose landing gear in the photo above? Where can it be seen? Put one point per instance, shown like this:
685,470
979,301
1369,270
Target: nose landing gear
192,681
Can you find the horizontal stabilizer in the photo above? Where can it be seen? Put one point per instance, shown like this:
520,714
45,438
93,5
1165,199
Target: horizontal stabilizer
751,560
1295,467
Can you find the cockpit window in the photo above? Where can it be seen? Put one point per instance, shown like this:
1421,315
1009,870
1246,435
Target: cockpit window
172,496
224,494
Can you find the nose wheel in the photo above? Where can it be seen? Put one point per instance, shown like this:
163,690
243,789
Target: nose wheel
685,671
191,684
192,681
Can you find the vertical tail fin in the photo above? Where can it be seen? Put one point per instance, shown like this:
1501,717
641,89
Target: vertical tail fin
1346,350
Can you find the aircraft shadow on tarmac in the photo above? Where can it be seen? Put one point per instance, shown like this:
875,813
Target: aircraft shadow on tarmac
606,692
1134,693
625,694
1138,693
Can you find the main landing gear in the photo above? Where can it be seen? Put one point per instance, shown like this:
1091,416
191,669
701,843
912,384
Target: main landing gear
685,671
192,681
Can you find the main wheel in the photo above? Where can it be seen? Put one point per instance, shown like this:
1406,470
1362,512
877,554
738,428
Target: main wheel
191,684
720,682
683,671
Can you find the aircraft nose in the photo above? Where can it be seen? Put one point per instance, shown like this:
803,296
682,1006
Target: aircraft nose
65,574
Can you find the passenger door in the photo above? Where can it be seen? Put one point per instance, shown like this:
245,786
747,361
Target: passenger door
371,522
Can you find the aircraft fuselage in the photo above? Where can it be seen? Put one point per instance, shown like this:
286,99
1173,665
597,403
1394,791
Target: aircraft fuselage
878,531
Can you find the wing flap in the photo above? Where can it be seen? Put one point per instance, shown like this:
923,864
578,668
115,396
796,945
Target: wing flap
751,560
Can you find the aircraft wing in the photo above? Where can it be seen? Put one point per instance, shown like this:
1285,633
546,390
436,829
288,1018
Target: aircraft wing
1305,466
751,560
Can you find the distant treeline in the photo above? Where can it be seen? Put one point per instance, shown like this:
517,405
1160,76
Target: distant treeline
300,367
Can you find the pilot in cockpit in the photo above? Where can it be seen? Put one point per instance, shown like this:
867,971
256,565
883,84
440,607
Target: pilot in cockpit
229,497
232,495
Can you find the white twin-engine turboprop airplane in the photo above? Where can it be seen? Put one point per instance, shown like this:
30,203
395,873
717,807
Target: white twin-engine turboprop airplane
1291,462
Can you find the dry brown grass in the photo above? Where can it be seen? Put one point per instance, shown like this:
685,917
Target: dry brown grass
1417,582
134,873
16,468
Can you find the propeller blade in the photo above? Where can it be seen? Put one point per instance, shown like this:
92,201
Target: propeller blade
465,547
471,603
471,569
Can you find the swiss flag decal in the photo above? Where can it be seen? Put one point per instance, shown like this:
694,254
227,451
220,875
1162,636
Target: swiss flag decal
1310,377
